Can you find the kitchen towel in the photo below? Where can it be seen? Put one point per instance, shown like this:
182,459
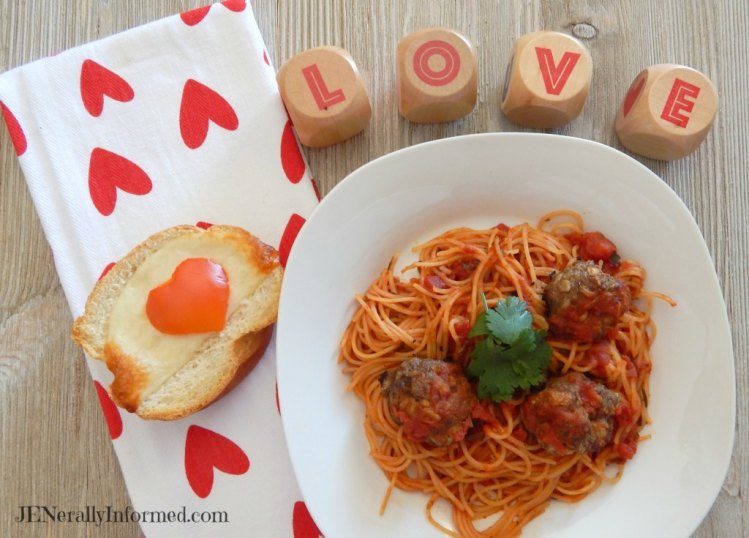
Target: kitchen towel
178,121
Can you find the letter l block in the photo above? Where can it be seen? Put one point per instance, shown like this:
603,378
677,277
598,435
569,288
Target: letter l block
324,95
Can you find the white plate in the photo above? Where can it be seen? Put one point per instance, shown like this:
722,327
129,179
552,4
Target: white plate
390,204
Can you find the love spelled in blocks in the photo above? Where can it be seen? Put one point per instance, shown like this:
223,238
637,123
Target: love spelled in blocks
550,75
324,95
436,76
666,113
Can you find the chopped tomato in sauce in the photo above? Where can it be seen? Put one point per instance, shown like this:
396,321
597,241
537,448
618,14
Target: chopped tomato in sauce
596,247
463,269
433,282
462,327
599,357
627,448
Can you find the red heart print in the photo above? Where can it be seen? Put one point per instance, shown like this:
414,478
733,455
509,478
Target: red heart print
206,449
302,522
200,104
293,226
98,81
265,58
632,94
14,128
107,172
106,270
111,413
235,5
194,16
316,189
291,158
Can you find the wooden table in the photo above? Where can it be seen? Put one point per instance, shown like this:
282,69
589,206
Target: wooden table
53,440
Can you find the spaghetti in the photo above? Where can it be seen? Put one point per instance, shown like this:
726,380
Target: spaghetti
498,471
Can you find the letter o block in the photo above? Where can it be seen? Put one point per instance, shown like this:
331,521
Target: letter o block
549,79
667,112
436,76
324,95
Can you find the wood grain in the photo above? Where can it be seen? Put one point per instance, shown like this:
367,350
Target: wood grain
53,440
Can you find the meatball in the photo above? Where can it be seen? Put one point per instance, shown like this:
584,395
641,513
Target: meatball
583,302
572,415
431,399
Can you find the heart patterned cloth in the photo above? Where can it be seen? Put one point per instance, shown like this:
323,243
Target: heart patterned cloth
175,122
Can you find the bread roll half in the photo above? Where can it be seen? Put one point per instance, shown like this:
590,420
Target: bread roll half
168,376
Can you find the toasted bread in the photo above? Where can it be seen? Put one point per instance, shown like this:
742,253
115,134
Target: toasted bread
169,376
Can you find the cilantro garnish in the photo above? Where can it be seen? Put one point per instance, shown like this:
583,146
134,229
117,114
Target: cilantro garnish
509,354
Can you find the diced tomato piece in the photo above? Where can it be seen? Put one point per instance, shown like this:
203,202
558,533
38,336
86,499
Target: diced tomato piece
481,412
463,269
433,282
462,327
520,434
624,415
627,448
599,357
595,246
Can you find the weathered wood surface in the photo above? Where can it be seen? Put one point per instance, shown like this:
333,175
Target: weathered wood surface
54,445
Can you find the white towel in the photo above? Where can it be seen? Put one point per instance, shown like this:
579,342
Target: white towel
175,122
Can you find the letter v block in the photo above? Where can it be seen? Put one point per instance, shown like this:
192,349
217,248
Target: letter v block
436,72
324,95
549,79
667,112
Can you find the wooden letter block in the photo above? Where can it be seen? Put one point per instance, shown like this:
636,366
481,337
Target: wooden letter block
437,74
667,112
325,96
549,78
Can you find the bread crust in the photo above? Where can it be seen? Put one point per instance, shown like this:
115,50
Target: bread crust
222,358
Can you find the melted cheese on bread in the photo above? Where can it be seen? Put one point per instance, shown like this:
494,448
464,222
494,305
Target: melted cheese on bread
140,352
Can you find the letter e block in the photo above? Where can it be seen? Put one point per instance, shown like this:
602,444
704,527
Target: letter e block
549,79
667,112
325,96
437,76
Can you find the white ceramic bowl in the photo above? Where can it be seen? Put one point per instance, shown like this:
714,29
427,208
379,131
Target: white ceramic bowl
393,202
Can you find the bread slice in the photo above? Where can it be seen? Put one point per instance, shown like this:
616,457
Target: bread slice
166,377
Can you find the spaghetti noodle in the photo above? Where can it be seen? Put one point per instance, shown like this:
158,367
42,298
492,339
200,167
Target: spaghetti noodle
498,471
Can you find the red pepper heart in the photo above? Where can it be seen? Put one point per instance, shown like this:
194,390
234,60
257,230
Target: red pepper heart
98,81
302,522
14,128
111,413
206,449
107,172
200,104
193,300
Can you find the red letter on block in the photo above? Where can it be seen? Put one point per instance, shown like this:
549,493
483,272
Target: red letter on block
555,76
323,97
677,102
439,48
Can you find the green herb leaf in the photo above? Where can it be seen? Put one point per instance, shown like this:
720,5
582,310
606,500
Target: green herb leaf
510,354
508,319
